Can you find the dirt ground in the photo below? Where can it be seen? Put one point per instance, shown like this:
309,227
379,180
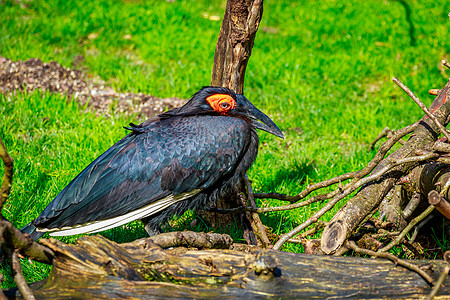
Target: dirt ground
52,77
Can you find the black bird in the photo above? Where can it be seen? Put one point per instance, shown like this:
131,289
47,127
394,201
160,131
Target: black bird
182,159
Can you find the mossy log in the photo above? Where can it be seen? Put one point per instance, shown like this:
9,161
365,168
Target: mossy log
96,268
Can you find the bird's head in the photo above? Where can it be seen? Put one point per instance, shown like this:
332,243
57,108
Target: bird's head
223,101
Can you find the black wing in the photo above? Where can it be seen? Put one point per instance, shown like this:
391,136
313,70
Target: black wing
147,172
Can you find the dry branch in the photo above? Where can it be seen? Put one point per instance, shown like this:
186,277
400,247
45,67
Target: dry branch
192,239
446,63
402,235
16,269
441,128
342,193
13,238
393,258
339,179
386,132
255,221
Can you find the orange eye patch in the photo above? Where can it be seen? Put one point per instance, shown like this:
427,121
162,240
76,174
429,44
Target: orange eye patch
221,103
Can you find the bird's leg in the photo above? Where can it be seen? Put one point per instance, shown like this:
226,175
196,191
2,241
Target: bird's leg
253,218
149,226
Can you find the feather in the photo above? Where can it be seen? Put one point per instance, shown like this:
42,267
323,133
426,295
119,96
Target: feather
143,212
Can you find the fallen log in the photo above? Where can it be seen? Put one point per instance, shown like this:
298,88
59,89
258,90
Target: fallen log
97,268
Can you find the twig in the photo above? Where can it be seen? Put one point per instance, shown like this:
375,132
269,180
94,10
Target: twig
384,148
434,92
412,205
341,251
301,237
440,203
411,224
16,270
353,185
418,227
446,63
352,245
381,135
386,132
347,190
299,204
423,107
7,176
257,224
439,282
24,243
387,234
308,190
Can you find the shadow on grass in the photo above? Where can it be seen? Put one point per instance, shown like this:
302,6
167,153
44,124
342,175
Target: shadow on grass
409,20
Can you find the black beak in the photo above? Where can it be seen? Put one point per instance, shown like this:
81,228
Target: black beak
256,117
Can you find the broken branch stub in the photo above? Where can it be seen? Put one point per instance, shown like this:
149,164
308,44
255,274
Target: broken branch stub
348,217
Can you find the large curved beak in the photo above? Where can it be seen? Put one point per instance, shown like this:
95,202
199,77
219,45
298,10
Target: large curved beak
256,117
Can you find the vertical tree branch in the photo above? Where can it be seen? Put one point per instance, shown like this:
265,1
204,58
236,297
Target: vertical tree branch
234,46
16,270
11,239
7,176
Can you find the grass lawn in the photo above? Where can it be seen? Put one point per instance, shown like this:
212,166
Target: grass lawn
321,71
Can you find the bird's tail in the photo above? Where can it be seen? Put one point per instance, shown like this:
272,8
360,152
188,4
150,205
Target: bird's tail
31,230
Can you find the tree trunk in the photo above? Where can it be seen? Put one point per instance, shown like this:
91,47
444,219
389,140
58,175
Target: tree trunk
234,46
96,268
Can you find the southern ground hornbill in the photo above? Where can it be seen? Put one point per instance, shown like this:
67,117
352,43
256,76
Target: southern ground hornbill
182,159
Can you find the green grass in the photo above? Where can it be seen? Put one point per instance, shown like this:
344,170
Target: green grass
322,72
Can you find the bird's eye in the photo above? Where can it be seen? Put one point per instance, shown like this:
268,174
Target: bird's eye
225,105
221,103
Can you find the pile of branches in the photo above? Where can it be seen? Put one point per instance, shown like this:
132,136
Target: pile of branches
407,189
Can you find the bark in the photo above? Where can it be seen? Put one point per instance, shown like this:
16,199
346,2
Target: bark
7,175
440,203
12,238
96,268
348,218
234,46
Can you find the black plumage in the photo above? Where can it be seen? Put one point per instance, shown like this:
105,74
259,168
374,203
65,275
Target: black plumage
182,159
